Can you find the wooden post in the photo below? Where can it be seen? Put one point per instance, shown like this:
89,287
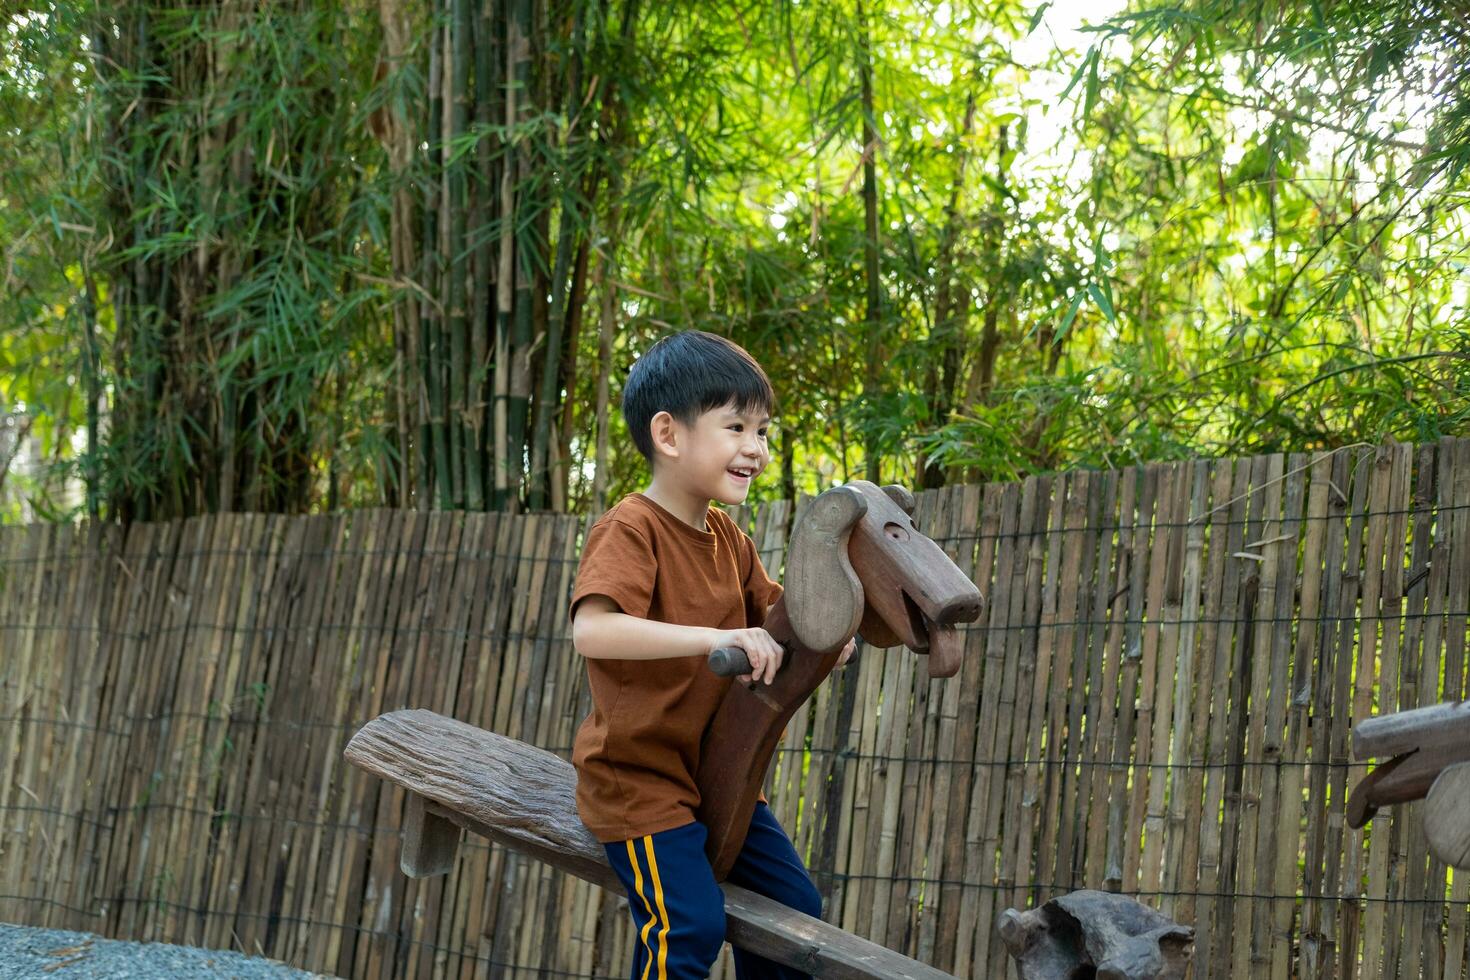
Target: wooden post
429,841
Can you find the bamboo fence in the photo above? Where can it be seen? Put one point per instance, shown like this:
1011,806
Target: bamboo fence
1157,700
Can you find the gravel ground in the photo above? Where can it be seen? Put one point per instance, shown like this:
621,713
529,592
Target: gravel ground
28,953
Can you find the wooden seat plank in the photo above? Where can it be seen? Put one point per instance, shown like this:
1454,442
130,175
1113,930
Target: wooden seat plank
523,797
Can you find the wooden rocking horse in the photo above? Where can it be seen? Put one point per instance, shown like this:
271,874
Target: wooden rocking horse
856,563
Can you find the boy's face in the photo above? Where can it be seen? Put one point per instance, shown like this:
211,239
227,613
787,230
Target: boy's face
720,456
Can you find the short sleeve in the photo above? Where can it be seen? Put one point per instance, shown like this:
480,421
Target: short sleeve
760,591
618,562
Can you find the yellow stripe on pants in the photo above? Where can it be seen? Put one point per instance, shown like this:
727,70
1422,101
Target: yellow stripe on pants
658,894
647,925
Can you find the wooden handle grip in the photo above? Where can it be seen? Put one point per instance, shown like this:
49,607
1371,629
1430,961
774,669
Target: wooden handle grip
732,661
729,662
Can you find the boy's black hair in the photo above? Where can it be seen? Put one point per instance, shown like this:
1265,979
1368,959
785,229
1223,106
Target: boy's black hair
686,374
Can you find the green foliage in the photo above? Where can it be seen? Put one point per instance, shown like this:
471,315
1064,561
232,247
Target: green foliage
1248,236
221,228
1286,188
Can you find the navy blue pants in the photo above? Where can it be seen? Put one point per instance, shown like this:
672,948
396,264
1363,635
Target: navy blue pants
679,910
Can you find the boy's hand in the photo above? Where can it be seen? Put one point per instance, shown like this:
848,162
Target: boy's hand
847,652
760,647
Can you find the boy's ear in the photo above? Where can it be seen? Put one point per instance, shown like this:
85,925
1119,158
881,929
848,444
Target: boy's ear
664,430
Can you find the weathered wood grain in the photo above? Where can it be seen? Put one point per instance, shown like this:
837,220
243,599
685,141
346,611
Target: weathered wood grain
1090,933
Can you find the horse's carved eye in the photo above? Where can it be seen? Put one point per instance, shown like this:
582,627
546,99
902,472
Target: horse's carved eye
896,531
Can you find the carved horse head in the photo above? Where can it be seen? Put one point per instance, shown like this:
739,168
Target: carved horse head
856,562
859,564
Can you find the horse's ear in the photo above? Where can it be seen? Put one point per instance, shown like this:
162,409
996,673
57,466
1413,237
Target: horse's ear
824,597
902,496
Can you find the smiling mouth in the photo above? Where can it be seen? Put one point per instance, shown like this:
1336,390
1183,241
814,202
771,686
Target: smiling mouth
739,475
942,642
918,622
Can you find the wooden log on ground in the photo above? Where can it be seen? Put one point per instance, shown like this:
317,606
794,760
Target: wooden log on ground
523,797
1092,933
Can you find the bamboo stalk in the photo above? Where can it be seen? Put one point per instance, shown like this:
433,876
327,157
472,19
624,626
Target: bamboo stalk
437,482
1285,727
464,468
1102,703
1204,559
482,319
1227,532
1262,510
1313,672
561,464
567,244
945,856
1029,786
1122,860
1457,552
1417,665
397,136
975,926
526,213
507,348
1371,646
1342,937
1174,512
1069,683
951,896
1036,676
872,285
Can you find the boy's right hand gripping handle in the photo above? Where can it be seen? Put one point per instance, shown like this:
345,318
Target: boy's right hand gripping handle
729,662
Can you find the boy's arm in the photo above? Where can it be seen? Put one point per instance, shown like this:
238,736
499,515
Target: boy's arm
601,631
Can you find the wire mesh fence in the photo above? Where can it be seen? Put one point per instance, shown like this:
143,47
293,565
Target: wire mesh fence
1157,699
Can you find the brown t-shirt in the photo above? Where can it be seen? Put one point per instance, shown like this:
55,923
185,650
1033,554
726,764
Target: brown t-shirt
637,751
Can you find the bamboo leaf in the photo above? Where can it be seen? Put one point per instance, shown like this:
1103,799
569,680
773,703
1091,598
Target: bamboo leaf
1068,318
1036,17
1102,300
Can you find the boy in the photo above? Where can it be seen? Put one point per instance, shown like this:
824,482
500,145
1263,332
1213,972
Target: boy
664,580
